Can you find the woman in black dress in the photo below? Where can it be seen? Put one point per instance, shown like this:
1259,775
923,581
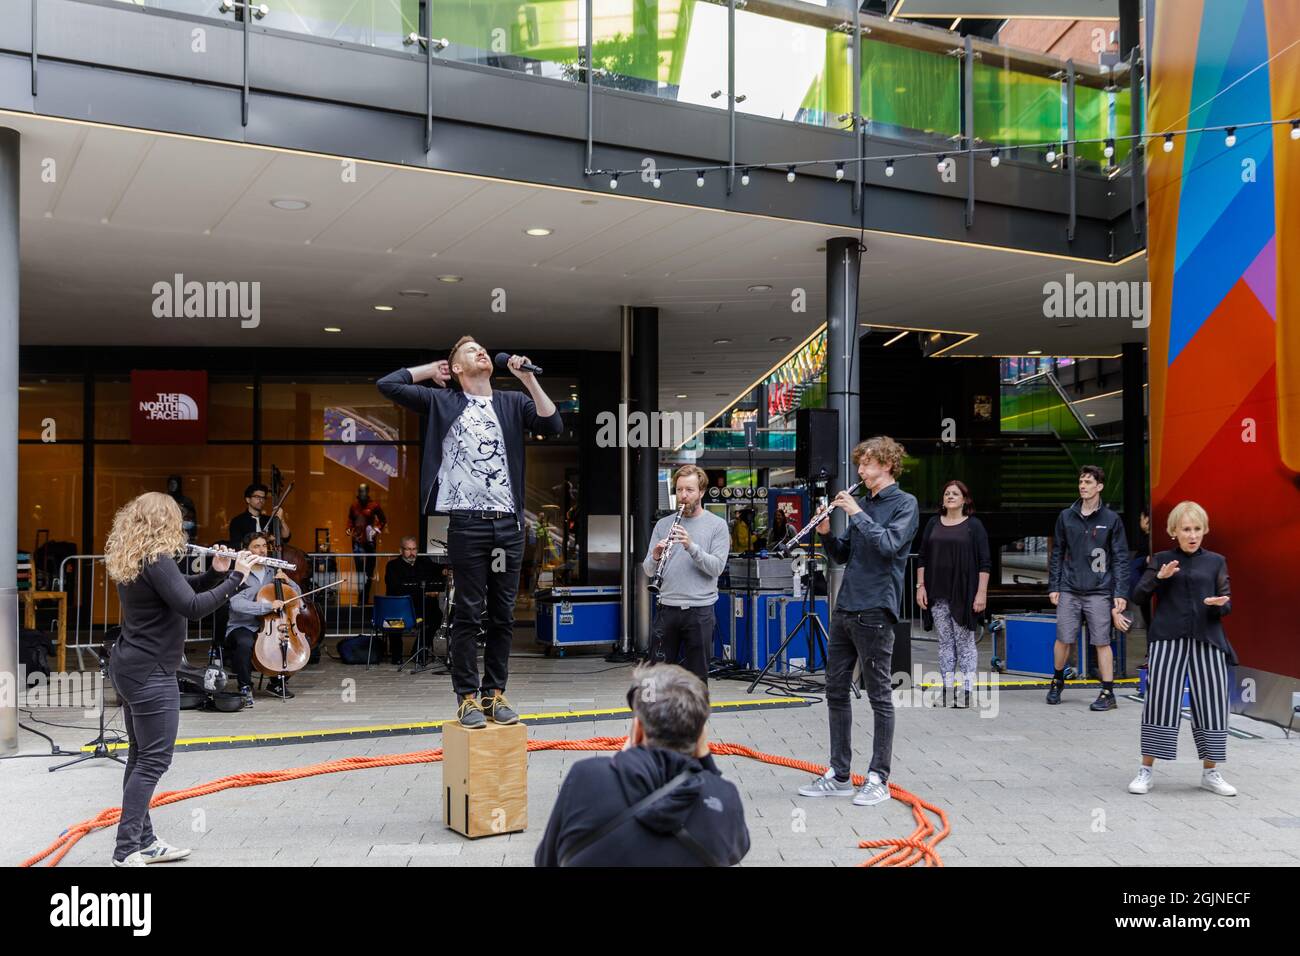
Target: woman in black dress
156,598
1186,644
952,581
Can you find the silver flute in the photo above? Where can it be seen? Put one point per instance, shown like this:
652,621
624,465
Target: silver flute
657,581
817,519
269,562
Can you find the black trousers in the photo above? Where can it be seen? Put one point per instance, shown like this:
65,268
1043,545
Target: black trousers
682,636
865,637
151,710
486,556
240,643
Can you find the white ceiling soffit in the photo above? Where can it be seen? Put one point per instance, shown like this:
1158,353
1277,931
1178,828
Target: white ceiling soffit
108,213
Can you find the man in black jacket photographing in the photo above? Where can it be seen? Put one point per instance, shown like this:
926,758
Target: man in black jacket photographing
661,801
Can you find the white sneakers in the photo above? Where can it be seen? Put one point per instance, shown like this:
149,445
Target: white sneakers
1211,780
873,791
160,851
1142,782
827,786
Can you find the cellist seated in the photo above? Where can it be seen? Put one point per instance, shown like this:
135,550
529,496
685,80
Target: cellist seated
246,612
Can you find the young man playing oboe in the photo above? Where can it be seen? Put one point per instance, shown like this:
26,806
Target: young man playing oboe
473,471
697,552
874,547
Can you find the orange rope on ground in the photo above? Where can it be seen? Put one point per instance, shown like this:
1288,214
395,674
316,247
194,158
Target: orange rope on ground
920,845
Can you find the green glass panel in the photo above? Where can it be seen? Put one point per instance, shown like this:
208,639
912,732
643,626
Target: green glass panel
674,49
1016,109
910,89
541,38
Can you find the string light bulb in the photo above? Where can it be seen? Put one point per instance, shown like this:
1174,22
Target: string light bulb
613,181
656,182
995,158
1295,129
1230,137
699,179
789,174
744,177
889,167
942,164
1169,143
839,172
1109,151
1051,155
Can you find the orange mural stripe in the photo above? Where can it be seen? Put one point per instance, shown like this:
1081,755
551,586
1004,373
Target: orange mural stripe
1205,391
1283,19
1173,64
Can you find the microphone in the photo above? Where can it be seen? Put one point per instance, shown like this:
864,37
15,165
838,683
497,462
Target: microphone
503,361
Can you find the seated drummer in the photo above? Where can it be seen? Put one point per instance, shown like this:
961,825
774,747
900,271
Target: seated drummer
246,613
414,575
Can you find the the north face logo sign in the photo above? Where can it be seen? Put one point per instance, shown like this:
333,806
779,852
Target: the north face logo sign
171,407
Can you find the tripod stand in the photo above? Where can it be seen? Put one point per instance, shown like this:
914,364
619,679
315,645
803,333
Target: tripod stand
101,750
817,636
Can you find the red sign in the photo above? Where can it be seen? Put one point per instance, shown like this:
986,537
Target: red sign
169,408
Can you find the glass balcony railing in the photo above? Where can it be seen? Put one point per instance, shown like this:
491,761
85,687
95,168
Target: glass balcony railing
793,62
375,23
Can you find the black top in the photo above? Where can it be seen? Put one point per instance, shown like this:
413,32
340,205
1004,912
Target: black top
599,789
1090,553
874,547
953,557
422,575
155,607
1180,608
245,523
516,412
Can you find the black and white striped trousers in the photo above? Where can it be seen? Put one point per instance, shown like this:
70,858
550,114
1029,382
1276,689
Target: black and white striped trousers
1168,665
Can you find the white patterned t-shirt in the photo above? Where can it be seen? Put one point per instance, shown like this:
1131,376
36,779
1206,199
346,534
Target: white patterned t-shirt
474,475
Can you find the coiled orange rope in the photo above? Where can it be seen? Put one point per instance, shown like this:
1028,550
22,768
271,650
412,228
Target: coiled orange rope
906,851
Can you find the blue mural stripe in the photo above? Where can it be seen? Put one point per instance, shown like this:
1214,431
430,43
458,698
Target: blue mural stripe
1215,266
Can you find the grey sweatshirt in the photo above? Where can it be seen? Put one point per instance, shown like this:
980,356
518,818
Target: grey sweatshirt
691,577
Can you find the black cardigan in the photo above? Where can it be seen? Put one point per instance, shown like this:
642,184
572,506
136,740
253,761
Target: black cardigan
155,606
1180,608
516,411
965,583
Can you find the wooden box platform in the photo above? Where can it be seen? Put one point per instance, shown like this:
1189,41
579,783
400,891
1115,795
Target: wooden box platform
485,779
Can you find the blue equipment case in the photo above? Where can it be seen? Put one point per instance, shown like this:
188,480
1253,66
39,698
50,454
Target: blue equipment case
1028,641
577,617
751,626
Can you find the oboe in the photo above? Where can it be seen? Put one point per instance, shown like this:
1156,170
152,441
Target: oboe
821,516
657,581
269,562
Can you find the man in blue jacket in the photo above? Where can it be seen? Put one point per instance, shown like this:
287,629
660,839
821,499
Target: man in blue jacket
1087,578
473,471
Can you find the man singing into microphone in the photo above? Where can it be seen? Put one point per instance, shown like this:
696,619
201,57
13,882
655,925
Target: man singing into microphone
473,471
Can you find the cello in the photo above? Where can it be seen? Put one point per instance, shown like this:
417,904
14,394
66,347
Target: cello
309,620
280,648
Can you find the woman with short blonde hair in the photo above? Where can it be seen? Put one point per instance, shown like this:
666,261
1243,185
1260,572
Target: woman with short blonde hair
1186,644
156,598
